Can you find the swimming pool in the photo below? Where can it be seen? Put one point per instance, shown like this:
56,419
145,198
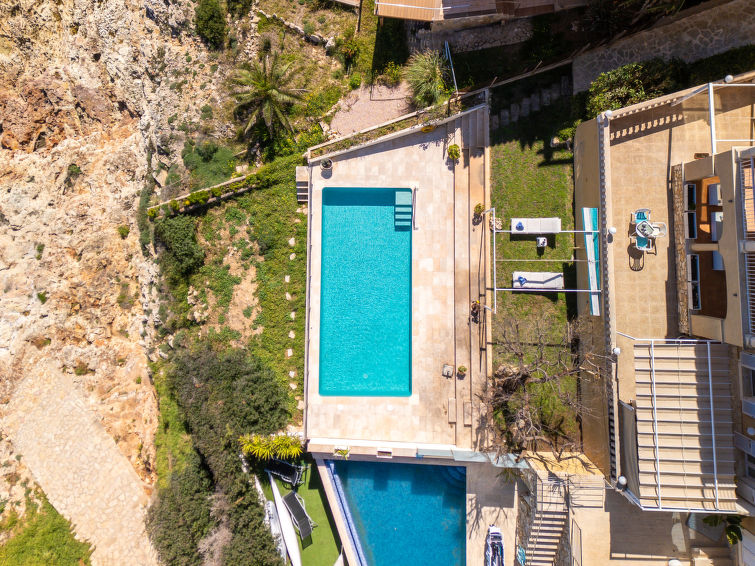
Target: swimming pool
366,292
406,513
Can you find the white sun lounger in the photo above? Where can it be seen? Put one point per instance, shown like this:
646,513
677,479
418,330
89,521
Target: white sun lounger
538,280
535,225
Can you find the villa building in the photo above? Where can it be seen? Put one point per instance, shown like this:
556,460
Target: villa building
672,421
469,12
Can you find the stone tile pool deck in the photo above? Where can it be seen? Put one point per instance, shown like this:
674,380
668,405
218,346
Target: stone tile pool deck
449,271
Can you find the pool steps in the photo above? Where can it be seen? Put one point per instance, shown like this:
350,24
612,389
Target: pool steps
402,211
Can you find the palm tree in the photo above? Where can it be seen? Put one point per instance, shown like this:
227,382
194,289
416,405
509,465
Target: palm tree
262,94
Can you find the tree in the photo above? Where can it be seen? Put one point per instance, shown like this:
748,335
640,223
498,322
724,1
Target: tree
533,398
178,235
263,94
426,74
209,20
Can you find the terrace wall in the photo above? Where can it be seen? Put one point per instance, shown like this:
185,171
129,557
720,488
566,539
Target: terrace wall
693,34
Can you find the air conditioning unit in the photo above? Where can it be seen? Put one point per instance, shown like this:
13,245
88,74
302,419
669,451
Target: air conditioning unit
746,491
716,225
714,194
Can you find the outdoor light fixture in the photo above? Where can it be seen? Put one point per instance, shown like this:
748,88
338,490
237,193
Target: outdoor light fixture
622,481
728,79
616,351
750,431
612,230
609,113
674,562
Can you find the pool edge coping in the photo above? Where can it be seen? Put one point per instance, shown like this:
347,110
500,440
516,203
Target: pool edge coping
346,532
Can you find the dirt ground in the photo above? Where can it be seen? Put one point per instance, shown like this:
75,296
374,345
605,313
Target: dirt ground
370,106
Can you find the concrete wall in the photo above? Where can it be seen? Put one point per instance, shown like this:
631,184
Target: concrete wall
694,34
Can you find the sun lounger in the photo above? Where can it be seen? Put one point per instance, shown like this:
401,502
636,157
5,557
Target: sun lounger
303,523
538,280
535,225
289,473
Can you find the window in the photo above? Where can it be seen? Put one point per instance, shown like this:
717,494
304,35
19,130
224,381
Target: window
693,281
690,196
690,227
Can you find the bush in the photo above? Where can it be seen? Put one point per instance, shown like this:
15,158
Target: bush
426,73
210,23
635,83
183,254
224,394
732,62
180,517
206,112
355,81
454,153
285,446
392,74
123,231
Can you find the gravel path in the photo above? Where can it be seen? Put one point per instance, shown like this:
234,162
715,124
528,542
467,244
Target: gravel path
370,106
80,469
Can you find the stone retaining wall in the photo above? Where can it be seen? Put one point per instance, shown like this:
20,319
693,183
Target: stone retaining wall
694,34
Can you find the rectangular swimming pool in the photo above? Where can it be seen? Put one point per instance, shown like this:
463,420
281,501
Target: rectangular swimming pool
366,292
404,513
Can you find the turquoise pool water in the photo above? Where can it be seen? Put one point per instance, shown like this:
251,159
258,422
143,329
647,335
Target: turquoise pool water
366,292
406,513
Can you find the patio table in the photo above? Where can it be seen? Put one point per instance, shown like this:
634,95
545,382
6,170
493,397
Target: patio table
644,228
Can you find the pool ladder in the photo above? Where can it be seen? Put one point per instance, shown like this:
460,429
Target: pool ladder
403,212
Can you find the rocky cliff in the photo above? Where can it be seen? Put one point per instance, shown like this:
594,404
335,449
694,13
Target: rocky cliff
87,89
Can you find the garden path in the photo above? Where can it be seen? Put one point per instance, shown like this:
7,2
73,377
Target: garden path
79,467
369,106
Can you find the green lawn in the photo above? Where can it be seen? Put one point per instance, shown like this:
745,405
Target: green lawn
324,546
529,179
43,538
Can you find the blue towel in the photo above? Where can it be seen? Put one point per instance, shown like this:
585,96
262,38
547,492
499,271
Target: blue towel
640,216
643,243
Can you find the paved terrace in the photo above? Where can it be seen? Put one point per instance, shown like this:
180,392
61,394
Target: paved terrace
449,271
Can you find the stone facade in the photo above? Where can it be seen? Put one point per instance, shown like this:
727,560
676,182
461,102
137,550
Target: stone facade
694,34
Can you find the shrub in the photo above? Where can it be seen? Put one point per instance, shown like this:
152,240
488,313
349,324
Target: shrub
308,27
454,153
42,296
392,73
285,446
178,235
123,231
206,112
635,83
180,517
426,73
210,23
355,81
40,249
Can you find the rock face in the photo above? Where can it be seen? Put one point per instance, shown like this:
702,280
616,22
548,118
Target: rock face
82,98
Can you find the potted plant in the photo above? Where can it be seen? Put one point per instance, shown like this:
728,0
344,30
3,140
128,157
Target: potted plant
478,210
326,164
342,452
461,371
454,153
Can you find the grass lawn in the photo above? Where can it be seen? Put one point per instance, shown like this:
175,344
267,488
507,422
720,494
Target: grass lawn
530,179
324,547
43,538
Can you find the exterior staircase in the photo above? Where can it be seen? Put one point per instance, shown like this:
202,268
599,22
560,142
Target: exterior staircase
402,211
549,522
302,184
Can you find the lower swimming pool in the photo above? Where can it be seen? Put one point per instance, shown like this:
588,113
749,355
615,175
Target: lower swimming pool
406,513
365,299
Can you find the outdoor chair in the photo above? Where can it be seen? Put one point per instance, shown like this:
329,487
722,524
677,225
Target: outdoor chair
303,522
640,215
289,473
659,228
644,244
